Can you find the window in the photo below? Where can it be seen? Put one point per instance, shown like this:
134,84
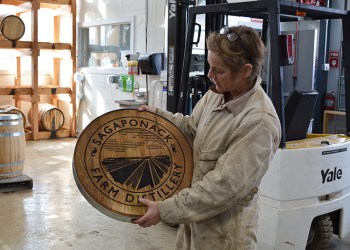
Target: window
105,43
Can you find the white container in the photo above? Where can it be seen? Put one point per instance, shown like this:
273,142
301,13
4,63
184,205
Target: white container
120,83
157,94
129,86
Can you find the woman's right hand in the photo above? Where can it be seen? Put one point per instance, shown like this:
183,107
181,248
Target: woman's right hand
148,108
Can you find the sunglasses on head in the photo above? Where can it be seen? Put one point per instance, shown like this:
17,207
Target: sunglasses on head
234,37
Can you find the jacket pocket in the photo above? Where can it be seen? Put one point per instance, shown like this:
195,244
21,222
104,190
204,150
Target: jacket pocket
207,161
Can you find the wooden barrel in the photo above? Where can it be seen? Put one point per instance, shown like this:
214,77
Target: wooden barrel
11,27
126,154
12,144
50,117
9,109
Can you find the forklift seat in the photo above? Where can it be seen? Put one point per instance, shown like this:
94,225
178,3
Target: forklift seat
298,112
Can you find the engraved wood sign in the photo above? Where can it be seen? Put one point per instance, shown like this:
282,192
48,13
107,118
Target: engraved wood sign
126,154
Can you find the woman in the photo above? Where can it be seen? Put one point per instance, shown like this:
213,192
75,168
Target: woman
235,132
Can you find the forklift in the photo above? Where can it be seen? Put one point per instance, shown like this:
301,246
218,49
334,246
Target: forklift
305,194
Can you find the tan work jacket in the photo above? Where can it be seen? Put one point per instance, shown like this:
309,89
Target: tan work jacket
233,144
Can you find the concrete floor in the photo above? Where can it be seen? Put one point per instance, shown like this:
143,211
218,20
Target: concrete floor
54,214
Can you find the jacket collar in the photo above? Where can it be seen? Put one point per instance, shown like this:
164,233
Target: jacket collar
236,105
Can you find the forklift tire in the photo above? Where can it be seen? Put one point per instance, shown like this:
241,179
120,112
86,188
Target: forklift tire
321,233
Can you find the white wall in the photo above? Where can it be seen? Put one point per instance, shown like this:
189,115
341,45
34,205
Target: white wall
98,95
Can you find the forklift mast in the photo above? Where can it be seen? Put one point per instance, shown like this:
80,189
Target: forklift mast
177,28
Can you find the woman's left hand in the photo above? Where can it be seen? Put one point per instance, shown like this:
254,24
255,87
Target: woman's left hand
152,216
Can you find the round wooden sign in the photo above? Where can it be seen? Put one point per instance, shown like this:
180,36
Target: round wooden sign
126,154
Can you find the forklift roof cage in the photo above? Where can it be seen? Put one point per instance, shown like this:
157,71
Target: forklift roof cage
272,13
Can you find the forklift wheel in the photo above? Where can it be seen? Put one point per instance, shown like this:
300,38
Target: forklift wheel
320,234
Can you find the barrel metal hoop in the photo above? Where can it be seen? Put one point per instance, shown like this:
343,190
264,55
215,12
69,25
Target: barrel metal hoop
8,116
17,173
11,134
12,164
8,123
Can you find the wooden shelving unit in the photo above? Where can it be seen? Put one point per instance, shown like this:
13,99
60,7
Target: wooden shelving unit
32,93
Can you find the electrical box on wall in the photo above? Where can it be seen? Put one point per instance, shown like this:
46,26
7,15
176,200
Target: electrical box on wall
151,64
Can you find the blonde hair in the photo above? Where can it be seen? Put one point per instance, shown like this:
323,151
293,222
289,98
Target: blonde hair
233,54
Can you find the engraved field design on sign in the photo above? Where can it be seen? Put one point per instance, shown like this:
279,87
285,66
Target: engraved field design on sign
124,152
